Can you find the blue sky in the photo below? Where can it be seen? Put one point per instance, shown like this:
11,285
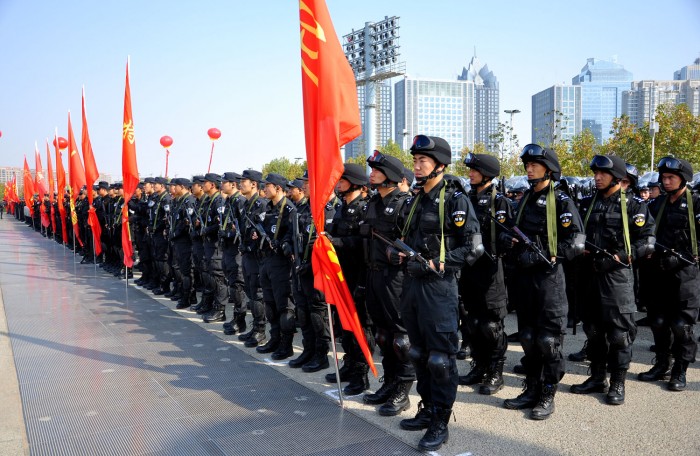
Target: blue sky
235,65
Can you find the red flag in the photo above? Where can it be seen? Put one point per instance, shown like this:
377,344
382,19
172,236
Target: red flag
40,186
28,187
49,170
91,175
61,181
130,172
331,119
76,176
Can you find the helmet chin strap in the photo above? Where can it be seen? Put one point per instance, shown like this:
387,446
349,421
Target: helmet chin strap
386,184
350,189
534,182
684,183
434,173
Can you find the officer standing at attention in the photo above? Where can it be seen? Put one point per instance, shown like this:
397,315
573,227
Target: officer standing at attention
673,310
482,286
229,237
276,268
213,272
550,220
159,232
384,217
182,242
441,227
619,231
251,210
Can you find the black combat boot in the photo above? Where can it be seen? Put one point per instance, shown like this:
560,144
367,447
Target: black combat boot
421,420
382,394
285,349
616,393
270,347
255,338
545,406
581,355
464,350
660,371
304,358
475,376
493,382
677,381
216,314
236,325
205,306
317,363
358,381
437,433
344,371
528,398
184,303
398,401
596,383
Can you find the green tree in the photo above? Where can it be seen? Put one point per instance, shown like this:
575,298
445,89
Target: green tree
576,158
678,135
2,191
391,149
284,167
630,142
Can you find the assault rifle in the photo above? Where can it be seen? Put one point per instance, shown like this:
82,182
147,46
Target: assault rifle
607,254
404,248
526,240
257,226
678,255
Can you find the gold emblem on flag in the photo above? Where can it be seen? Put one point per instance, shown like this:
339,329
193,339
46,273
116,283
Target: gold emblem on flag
129,131
316,30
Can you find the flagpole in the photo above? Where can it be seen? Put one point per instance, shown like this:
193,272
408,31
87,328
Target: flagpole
335,353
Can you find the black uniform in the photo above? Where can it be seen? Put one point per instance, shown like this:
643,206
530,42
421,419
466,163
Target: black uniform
673,310
608,287
215,291
483,292
183,215
429,302
230,242
385,216
542,305
158,229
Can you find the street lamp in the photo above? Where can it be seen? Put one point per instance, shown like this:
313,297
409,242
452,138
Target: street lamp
653,126
512,112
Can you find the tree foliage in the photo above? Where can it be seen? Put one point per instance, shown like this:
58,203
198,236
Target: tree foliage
392,149
285,167
678,135
576,156
630,142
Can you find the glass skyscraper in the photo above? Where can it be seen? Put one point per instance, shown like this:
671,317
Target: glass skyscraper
602,83
437,108
486,95
556,114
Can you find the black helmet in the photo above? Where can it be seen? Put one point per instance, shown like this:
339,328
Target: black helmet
390,166
632,174
611,164
355,174
487,165
432,146
546,157
676,166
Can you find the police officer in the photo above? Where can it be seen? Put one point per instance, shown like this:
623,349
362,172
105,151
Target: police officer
229,236
673,310
214,309
196,236
440,225
276,268
481,285
344,230
549,219
158,229
618,230
385,276
183,216
251,211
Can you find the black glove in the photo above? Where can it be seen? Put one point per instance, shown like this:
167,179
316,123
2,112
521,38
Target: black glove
287,249
337,242
529,258
603,263
416,268
507,240
393,256
275,244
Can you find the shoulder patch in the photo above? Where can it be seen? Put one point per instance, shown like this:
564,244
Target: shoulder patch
501,216
457,194
563,196
459,217
639,219
565,219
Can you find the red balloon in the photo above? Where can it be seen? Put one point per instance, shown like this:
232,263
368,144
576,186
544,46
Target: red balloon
62,142
214,134
0,134
166,141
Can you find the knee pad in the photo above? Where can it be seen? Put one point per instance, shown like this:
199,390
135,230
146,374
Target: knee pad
416,355
549,345
401,347
657,323
491,330
527,339
619,339
439,367
682,331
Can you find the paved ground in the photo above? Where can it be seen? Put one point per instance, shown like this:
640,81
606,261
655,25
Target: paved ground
106,369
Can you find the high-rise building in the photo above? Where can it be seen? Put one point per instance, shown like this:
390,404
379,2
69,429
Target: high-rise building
644,97
357,146
437,108
486,97
556,114
602,83
688,71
